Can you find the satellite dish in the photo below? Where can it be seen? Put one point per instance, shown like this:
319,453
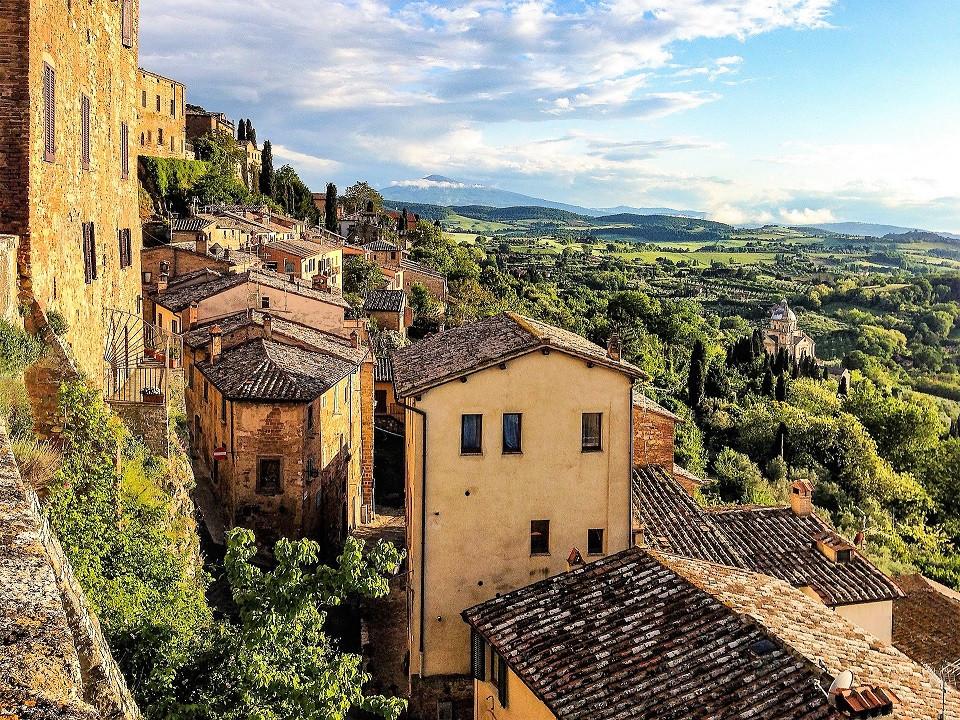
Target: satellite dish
844,681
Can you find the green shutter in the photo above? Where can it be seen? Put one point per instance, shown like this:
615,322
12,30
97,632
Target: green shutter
477,652
502,681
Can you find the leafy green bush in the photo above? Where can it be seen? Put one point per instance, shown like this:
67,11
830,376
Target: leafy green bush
18,348
57,323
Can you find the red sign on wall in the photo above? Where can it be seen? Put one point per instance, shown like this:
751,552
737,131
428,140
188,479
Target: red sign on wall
220,453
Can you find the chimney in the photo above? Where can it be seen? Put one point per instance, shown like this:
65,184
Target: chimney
614,347
574,560
355,339
267,327
192,315
162,282
216,343
801,498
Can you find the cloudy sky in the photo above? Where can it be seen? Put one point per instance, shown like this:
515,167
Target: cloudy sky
750,110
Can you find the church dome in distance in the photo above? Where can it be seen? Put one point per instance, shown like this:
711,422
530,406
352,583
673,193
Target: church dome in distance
783,312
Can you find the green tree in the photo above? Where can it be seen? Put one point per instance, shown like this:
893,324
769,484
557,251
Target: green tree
697,375
766,388
357,196
295,197
427,310
361,276
330,217
267,174
781,391
241,131
739,480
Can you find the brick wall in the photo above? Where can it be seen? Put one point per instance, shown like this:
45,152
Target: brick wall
83,43
652,438
14,122
366,433
427,693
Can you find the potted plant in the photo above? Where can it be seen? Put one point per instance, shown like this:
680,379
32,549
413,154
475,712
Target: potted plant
152,395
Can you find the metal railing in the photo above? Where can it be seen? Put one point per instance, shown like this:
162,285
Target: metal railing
137,359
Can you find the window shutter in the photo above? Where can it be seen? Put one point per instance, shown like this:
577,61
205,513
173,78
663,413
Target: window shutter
93,252
477,653
89,257
85,132
129,243
124,151
502,682
127,21
126,254
49,113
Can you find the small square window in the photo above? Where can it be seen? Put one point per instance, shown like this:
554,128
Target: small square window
592,426
511,433
471,434
539,537
595,542
265,303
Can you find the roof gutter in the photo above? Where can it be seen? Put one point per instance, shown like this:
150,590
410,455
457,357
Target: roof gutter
423,523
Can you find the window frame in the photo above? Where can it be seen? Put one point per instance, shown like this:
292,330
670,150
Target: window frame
591,537
89,242
518,450
584,445
126,24
262,488
471,449
125,240
539,530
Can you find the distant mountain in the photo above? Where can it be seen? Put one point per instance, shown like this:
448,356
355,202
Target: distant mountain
441,190
865,229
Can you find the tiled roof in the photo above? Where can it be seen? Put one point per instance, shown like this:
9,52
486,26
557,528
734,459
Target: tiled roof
269,370
300,248
679,470
383,370
192,224
406,264
672,521
385,301
642,401
820,635
629,637
317,339
381,246
926,622
774,541
476,345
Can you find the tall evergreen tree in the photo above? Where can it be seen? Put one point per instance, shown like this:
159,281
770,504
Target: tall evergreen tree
241,131
756,342
826,373
330,210
795,372
251,132
697,377
781,393
267,175
844,386
766,389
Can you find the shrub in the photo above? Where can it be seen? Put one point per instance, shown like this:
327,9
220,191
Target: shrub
57,323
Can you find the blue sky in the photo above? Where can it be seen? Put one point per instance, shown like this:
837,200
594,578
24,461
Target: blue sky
750,110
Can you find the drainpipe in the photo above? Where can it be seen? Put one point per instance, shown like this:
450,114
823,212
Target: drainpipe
423,523
630,472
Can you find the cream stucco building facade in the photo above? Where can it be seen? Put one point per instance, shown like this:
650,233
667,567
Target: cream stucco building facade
518,454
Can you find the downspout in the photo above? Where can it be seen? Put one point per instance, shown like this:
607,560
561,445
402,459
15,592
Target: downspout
423,524
630,474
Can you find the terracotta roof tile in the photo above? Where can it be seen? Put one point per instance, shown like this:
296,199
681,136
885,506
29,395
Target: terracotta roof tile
476,345
385,301
926,622
642,401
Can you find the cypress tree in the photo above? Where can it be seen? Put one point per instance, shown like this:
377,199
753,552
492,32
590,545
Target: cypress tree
251,132
697,377
781,387
241,131
766,389
267,176
844,387
757,343
826,373
330,209
795,372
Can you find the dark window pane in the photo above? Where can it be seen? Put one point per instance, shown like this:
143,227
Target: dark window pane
511,432
539,537
595,542
470,433
268,476
591,431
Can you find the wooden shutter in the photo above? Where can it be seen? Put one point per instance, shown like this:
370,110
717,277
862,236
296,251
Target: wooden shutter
126,254
127,21
128,233
477,655
502,682
89,253
124,151
49,113
85,132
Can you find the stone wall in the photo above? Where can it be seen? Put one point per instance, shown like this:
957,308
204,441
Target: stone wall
9,287
652,438
44,379
146,421
14,121
427,693
56,662
160,132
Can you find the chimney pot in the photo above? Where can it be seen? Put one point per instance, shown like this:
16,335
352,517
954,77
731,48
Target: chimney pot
355,339
192,315
162,281
801,498
614,347
267,327
216,343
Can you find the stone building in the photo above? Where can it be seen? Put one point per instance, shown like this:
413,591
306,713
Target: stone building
418,273
200,122
285,404
317,262
785,334
68,180
251,164
389,309
519,450
161,116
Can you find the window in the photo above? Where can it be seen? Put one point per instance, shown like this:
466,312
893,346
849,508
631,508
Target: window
471,434
89,253
268,476
125,239
158,103
174,326
85,132
160,136
265,302
498,676
206,390
539,537
289,267
144,98
149,136
173,107
478,651
49,113
511,433
380,401
223,409
592,423
309,417
595,542
124,151
143,139
336,401
127,24
173,148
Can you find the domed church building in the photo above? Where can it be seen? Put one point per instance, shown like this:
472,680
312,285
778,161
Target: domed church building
784,333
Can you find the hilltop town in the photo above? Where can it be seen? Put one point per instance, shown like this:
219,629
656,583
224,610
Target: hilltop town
276,453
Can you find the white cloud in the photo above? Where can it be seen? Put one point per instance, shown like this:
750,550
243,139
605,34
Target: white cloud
304,160
426,183
807,216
